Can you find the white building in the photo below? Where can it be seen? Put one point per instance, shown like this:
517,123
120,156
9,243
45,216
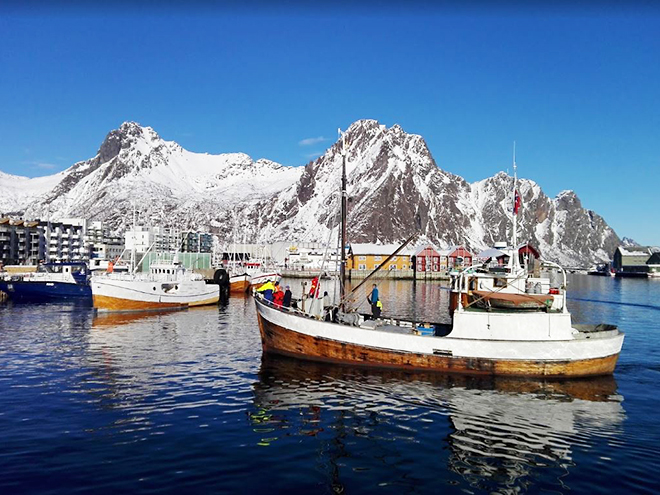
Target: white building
139,238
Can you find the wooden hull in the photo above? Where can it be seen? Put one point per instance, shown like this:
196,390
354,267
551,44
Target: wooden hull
284,341
107,303
110,294
239,287
511,301
239,284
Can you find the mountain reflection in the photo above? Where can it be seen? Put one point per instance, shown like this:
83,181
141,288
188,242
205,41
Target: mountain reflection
495,435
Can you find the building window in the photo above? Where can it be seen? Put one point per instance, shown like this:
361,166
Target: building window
393,267
362,258
378,258
362,267
404,267
394,258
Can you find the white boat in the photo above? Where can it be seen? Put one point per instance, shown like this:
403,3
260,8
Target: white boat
260,274
483,339
239,283
248,274
165,286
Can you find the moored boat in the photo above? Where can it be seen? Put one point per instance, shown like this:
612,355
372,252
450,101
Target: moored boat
50,282
260,277
516,340
239,284
165,286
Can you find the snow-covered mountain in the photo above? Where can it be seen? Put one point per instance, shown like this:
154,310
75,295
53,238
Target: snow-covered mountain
393,180
16,192
393,184
168,184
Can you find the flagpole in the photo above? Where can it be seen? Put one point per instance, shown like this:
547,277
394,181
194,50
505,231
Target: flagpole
516,262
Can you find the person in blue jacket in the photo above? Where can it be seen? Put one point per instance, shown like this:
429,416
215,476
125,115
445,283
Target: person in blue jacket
373,299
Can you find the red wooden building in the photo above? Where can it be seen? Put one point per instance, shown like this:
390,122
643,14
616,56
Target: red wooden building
427,258
454,257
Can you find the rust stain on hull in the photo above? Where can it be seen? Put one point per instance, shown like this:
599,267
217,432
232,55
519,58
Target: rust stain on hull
279,340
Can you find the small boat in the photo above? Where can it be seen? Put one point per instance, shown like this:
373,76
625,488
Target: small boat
601,270
239,284
489,299
50,282
259,276
506,336
165,286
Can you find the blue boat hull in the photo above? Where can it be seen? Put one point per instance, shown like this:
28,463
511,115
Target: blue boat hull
46,291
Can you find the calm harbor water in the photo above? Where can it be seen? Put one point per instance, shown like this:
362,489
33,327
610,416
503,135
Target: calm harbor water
185,402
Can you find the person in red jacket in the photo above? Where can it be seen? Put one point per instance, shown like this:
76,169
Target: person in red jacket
278,296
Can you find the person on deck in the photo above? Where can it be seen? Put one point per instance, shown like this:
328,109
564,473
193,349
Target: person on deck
374,301
286,302
267,290
278,295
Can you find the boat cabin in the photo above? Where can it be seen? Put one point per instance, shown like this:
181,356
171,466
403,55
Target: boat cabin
166,269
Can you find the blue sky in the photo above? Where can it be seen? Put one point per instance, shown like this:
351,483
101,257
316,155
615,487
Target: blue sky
577,89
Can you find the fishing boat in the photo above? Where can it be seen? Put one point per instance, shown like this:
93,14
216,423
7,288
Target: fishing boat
239,284
50,282
250,275
166,286
260,274
493,338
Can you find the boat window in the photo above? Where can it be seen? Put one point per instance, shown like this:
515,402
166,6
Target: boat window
473,283
499,282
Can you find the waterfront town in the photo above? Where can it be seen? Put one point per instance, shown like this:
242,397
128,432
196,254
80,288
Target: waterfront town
31,242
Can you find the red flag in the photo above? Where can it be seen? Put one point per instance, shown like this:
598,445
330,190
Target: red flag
516,202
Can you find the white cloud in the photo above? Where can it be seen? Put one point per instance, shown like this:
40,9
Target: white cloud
315,154
312,141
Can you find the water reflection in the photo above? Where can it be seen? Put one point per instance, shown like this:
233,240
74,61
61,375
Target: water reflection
494,434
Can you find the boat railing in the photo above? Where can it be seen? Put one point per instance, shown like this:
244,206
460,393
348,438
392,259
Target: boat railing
151,277
41,276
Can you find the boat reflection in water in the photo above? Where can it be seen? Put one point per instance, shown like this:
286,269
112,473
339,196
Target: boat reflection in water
494,434
118,319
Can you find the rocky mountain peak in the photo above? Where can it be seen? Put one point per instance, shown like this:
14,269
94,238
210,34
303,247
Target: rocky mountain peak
125,137
394,187
568,200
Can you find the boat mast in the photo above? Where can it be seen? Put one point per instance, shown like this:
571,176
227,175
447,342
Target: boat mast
344,198
516,261
133,248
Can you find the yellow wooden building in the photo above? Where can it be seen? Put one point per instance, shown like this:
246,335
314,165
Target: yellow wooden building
369,256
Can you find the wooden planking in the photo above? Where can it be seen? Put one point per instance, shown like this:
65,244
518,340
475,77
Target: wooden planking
290,343
107,303
240,286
